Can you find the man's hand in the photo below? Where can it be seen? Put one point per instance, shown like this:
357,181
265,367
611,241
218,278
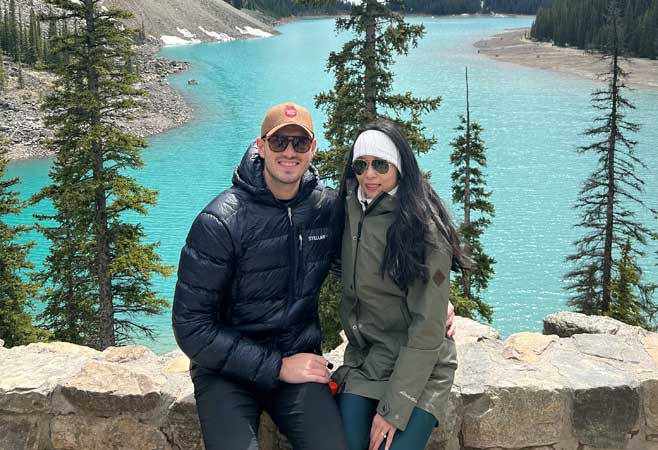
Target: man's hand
304,368
451,326
381,430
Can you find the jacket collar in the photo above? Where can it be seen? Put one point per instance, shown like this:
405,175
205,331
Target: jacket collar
384,203
249,177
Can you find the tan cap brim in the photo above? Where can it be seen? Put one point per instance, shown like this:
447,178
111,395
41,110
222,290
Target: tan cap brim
278,127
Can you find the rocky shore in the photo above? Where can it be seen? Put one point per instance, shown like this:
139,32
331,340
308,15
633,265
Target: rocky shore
22,121
515,47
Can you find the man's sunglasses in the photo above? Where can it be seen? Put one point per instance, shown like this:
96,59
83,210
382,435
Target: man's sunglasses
278,143
359,166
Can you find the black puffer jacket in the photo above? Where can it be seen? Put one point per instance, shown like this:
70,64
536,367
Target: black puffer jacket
249,277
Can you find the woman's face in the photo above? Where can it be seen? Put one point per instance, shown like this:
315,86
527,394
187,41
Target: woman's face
372,183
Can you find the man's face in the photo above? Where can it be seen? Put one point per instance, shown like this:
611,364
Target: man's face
286,168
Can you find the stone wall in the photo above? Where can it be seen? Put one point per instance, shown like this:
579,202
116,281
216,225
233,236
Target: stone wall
530,391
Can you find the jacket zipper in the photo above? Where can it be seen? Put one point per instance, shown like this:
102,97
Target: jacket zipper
356,252
296,253
356,257
356,295
291,273
358,235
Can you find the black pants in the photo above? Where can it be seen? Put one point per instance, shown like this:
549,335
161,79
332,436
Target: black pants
229,412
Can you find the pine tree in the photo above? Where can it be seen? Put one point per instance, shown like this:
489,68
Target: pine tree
625,291
49,56
15,321
364,82
19,52
656,41
68,290
141,36
605,198
330,295
362,91
39,39
111,266
22,36
32,50
12,32
2,73
3,29
469,190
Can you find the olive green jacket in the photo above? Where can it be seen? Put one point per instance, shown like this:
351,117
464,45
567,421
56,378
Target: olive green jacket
397,351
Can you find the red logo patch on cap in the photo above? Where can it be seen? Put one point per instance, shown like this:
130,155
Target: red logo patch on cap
291,111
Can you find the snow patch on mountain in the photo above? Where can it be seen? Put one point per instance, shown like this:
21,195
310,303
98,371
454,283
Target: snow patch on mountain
186,33
253,31
175,40
223,37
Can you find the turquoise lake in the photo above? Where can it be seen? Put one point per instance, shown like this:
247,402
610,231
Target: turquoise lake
533,121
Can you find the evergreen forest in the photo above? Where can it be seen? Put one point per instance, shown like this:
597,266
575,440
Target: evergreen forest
515,6
443,7
286,8
283,8
582,24
21,38
447,7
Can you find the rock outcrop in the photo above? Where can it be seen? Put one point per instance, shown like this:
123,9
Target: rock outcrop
568,323
530,391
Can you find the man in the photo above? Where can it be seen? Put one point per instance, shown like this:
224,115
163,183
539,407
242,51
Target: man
245,308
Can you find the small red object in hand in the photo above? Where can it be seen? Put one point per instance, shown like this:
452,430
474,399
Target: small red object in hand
333,387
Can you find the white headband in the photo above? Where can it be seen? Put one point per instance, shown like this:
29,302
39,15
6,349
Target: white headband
377,143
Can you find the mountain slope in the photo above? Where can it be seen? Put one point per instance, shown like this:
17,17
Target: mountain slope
193,20
180,21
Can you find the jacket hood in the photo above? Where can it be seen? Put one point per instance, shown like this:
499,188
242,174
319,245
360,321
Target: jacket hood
249,177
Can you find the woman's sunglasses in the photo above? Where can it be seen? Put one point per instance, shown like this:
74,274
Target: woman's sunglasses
278,143
359,166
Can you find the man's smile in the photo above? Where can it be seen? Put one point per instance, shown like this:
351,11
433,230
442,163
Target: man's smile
288,163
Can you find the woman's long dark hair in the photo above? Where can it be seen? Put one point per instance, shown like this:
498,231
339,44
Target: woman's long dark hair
405,255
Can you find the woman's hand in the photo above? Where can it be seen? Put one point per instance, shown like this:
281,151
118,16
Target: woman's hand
381,430
451,326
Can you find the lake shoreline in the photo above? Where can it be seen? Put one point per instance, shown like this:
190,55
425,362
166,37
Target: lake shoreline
514,46
164,107
293,19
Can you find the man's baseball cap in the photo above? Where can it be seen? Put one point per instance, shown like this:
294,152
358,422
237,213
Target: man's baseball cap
285,114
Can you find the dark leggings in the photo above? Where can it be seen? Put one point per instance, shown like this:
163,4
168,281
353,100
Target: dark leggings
229,413
357,413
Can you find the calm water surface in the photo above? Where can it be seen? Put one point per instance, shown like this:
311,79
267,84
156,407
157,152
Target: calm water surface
532,122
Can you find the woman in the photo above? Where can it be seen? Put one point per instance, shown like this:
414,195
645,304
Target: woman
398,247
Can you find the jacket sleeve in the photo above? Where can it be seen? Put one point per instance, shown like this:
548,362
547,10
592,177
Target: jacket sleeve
205,273
427,303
